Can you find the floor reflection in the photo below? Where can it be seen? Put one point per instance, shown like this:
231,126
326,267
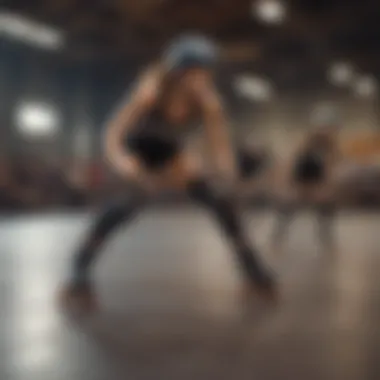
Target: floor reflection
172,306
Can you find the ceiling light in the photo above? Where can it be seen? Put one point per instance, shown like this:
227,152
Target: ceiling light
269,11
341,74
37,120
254,88
30,32
365,86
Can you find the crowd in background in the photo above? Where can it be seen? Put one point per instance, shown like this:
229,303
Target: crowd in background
28,184
32,184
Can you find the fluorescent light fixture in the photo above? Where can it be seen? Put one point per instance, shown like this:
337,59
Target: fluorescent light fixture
341,74
269,11
30,32
365,86
37,120
254,88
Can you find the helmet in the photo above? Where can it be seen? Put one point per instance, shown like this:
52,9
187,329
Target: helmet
190,51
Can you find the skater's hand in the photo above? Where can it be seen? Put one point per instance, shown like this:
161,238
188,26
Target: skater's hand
132,170
128,167
147,183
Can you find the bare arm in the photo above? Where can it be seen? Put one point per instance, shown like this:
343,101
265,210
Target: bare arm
217,135
142,99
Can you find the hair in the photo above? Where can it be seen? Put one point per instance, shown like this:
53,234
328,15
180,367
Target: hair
169,81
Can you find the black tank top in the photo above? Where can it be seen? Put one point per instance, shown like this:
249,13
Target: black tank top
154,125
156,141
250,164
311,164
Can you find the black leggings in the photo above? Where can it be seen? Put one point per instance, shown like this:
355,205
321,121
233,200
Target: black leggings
222,207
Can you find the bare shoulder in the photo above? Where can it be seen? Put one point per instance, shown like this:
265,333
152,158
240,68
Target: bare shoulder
148,84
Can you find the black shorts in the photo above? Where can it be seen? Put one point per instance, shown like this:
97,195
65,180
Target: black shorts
309,171
154,152
250,165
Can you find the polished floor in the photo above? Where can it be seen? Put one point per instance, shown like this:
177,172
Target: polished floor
171,305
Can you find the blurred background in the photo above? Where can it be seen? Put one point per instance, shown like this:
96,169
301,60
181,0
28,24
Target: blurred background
65,64
175,311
